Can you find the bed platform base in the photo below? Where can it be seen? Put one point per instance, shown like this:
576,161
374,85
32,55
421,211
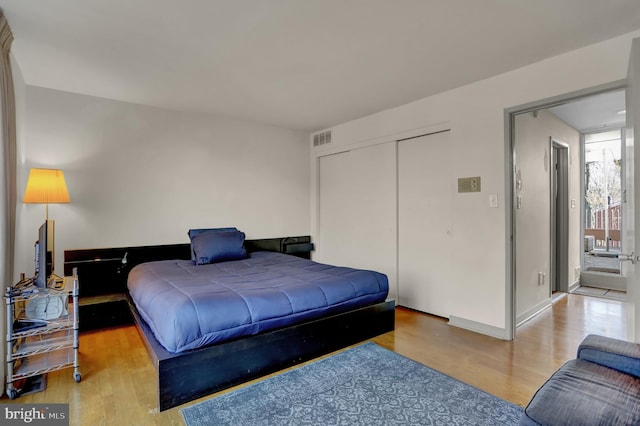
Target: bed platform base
183,377
189,375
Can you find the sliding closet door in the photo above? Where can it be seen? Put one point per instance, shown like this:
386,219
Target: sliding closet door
357,210
425,252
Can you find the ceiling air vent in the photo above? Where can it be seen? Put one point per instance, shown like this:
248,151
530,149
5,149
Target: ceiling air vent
322,138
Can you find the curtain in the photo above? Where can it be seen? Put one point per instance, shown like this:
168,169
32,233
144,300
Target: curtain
8,166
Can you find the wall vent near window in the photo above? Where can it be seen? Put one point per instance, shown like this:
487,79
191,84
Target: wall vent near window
322,138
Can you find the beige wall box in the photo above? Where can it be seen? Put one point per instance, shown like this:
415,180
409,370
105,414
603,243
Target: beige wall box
469,184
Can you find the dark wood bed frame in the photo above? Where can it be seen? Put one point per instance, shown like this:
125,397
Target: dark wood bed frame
185,376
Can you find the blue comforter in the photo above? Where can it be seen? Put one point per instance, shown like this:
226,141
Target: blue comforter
188,306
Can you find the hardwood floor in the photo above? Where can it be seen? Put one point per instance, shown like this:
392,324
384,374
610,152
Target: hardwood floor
118,386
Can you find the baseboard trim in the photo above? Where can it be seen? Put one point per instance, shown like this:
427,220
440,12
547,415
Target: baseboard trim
574,286
478,327
533,311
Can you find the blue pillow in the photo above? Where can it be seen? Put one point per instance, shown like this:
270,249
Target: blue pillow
212,247
193,232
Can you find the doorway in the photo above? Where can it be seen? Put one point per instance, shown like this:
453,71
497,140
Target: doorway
549,134
604,165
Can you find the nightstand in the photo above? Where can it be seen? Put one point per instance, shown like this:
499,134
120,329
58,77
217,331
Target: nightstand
102,302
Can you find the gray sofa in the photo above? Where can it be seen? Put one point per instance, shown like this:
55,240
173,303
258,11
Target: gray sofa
600,387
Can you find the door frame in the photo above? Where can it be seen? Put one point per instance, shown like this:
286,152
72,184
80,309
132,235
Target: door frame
559,215
510,189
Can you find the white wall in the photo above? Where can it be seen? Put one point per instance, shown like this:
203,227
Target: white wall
533,240
139,175
476,116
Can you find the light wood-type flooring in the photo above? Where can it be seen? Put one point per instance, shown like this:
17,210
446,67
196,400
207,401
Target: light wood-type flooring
118,385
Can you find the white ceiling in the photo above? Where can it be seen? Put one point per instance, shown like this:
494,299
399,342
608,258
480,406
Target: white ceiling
302,64
594,113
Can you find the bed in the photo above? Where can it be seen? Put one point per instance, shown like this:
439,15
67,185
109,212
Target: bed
280,327
188,306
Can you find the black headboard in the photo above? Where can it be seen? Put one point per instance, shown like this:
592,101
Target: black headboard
105,270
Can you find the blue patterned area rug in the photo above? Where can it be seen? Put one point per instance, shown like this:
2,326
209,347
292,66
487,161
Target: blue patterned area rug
365,385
